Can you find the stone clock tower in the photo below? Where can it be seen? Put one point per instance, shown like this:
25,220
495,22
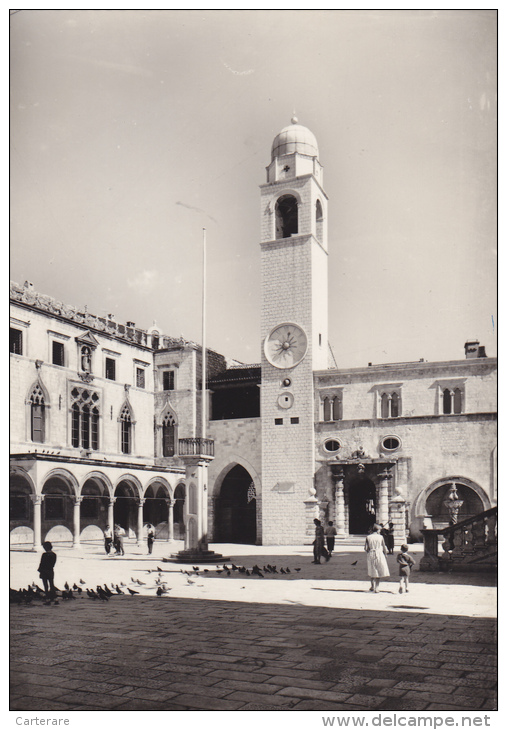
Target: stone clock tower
294,329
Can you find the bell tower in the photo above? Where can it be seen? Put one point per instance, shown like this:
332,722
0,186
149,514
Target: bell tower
294,328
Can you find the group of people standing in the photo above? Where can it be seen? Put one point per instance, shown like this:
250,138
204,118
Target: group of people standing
113,539
378,544
323,545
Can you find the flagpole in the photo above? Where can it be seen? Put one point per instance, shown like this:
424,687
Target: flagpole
203,404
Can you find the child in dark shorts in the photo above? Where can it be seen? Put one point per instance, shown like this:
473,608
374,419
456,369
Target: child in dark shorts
405,561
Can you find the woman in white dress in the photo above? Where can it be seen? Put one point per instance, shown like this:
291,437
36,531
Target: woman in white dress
376,552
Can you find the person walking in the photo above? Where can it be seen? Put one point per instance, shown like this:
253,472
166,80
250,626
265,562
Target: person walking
151,537
390,539
119,532
47,572
330,533
406,563
376,552
318,544
108,539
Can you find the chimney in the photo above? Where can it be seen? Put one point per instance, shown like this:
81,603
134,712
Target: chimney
472,349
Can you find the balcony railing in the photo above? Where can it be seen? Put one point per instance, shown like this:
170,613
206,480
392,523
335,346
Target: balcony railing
196,447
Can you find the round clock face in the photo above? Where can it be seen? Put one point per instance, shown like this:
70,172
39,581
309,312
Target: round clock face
285,400
286,345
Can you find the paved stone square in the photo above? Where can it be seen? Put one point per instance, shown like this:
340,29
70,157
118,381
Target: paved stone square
313,639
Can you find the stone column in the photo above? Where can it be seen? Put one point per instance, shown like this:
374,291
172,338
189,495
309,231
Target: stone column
311,512
140,522
170,525
110,512
383,501
76,542
397,510
340,505
37,504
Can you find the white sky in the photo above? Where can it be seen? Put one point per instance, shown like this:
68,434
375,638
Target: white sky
133,129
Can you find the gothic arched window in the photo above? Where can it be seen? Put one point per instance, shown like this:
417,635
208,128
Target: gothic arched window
452,400
390,405
286,216
37,415
85,413
126,429
168,436
457,400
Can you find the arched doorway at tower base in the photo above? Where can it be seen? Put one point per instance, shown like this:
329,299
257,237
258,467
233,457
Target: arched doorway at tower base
235,509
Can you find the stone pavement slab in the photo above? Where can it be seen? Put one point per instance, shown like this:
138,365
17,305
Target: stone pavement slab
127,679
303,641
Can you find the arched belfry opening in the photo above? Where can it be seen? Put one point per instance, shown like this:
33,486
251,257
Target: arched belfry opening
236,509
286,216
319,221
362,499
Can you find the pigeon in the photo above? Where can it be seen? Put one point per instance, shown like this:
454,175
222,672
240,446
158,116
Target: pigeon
122,584
75,587
297,570
206,570
190,582
91,593
194,568
66,586
282,571
107,591
159,569
79,589
133,593
82,581
219,571
228,572
161,590
140,582
119,591
102,594
287,570
247,572
354,563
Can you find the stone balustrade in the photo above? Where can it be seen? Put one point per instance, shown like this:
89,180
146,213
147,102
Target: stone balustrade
469,545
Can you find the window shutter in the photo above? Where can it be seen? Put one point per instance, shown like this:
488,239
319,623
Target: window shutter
37,423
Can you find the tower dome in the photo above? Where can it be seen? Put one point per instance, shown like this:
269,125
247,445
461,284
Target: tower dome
294,138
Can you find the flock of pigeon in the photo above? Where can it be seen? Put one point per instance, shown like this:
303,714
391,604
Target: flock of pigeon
241,570
104,592
68,593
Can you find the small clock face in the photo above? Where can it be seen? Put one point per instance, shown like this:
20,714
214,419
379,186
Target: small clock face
286,345
285,400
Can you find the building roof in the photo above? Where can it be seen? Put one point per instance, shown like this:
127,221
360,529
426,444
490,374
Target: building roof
294,138
238,375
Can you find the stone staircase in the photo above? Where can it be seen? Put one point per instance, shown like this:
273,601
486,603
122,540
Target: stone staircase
469,545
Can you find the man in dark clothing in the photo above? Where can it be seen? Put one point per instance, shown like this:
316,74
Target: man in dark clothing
47,573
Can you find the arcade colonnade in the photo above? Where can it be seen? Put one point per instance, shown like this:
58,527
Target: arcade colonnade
62,502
